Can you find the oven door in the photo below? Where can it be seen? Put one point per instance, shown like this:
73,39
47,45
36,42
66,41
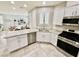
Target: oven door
68,48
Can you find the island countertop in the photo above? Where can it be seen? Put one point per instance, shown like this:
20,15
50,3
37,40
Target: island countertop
19,32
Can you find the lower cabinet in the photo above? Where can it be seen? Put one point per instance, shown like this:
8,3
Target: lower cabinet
12,44
43,36
54,39
22,41
19,41
47,37
16,42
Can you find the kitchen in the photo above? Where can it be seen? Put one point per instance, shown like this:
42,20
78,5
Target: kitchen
39,28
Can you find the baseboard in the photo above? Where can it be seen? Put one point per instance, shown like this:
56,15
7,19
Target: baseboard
42,42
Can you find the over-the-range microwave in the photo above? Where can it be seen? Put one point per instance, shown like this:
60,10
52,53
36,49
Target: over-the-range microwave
71,20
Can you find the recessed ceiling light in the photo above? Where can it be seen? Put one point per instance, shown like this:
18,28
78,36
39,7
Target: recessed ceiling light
44,2
14,8
12,2
25,5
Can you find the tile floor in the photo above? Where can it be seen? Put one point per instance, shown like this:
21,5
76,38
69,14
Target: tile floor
37,50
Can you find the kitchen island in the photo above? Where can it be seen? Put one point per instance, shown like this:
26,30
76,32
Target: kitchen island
18,39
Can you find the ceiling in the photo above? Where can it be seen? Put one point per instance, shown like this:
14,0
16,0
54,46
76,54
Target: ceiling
30,4
7,8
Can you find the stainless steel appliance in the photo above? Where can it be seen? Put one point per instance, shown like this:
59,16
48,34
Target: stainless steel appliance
31,37
69,42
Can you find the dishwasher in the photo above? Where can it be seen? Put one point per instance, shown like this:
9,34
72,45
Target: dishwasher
31,37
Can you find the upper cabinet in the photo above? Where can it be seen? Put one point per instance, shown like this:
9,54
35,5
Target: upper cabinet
70,11
58,15
77,10
72,8
71,3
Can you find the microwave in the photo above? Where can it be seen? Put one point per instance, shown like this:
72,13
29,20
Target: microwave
71,20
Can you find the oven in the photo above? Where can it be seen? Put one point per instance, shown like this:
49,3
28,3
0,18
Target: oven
69,42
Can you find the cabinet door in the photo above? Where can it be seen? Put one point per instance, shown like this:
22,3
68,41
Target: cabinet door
71,3
12,44
43,37
77,10
54,39
39,36
47,37
22,40
58,15
70,11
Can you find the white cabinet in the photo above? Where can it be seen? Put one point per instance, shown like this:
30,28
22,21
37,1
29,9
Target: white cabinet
77,10
43,36
12,44
54,39
47,37
70,11
58,15
22,40
71,3
16,42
